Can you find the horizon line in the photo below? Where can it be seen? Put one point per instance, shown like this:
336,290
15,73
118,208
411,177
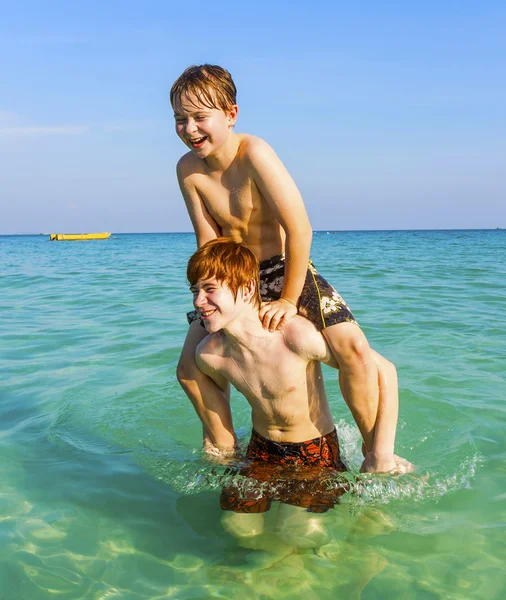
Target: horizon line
314,231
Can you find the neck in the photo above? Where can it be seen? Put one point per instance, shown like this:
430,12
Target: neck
246,327
224,156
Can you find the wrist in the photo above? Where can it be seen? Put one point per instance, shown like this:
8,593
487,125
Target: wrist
288,300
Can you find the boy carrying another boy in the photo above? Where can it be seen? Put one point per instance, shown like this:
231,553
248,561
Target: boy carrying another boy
293,456
234,185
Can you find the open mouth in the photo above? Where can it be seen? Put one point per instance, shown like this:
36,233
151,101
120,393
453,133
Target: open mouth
198,142
205,314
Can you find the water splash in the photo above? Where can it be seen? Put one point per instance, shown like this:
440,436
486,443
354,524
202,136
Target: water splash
382,489
192,472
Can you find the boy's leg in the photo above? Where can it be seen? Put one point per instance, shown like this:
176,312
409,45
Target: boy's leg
210,402
326,309
388,403
249,531
358,375
368,381
299,528
386,423
243,525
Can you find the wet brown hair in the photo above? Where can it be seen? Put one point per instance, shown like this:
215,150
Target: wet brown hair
227,261
211,85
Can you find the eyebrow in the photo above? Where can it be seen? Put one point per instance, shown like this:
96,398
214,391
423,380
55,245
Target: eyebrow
190,112
203,285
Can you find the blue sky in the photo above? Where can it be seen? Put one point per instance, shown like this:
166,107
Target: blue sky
388,115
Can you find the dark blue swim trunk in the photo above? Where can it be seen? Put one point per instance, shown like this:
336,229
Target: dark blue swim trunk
319,301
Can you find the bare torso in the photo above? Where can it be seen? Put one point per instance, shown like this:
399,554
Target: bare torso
234,201
285,390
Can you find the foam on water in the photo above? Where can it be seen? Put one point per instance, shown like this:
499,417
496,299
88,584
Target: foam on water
192,472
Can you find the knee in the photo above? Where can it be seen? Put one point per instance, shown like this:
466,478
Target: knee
391,370
354,348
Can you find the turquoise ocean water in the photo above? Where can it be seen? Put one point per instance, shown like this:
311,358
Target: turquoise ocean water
104,493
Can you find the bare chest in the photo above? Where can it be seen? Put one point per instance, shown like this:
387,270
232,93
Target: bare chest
270,377
234,202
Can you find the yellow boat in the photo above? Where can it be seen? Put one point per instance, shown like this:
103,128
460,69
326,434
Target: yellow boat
78,237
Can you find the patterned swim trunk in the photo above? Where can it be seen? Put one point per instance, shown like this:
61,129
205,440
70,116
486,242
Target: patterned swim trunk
319,301
301,474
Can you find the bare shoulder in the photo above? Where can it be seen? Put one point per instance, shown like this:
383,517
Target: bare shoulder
267,169
302,337
188,165
210,350
253,148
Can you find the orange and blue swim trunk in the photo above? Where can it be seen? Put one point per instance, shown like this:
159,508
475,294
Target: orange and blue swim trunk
301,474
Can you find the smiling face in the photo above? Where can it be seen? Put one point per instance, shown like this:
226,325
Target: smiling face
202,128
215,303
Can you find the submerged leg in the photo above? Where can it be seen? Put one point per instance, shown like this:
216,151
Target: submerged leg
243,525
210,402
299,528
370,523
249,531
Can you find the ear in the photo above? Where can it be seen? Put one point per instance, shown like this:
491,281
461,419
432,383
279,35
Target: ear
248,290
232,114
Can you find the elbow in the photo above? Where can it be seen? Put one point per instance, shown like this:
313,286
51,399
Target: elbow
203,238
186,372
301,236
182,374
390,372
307,234
306,231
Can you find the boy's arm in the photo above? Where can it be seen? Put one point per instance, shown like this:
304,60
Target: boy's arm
216,419
279,190
204,225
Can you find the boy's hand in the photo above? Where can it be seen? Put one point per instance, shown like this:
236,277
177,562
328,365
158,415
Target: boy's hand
386,463
275,314
223,456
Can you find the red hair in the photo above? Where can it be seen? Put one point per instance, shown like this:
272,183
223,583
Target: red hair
227,261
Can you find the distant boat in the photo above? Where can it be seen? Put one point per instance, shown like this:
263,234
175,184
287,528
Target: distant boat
78,237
